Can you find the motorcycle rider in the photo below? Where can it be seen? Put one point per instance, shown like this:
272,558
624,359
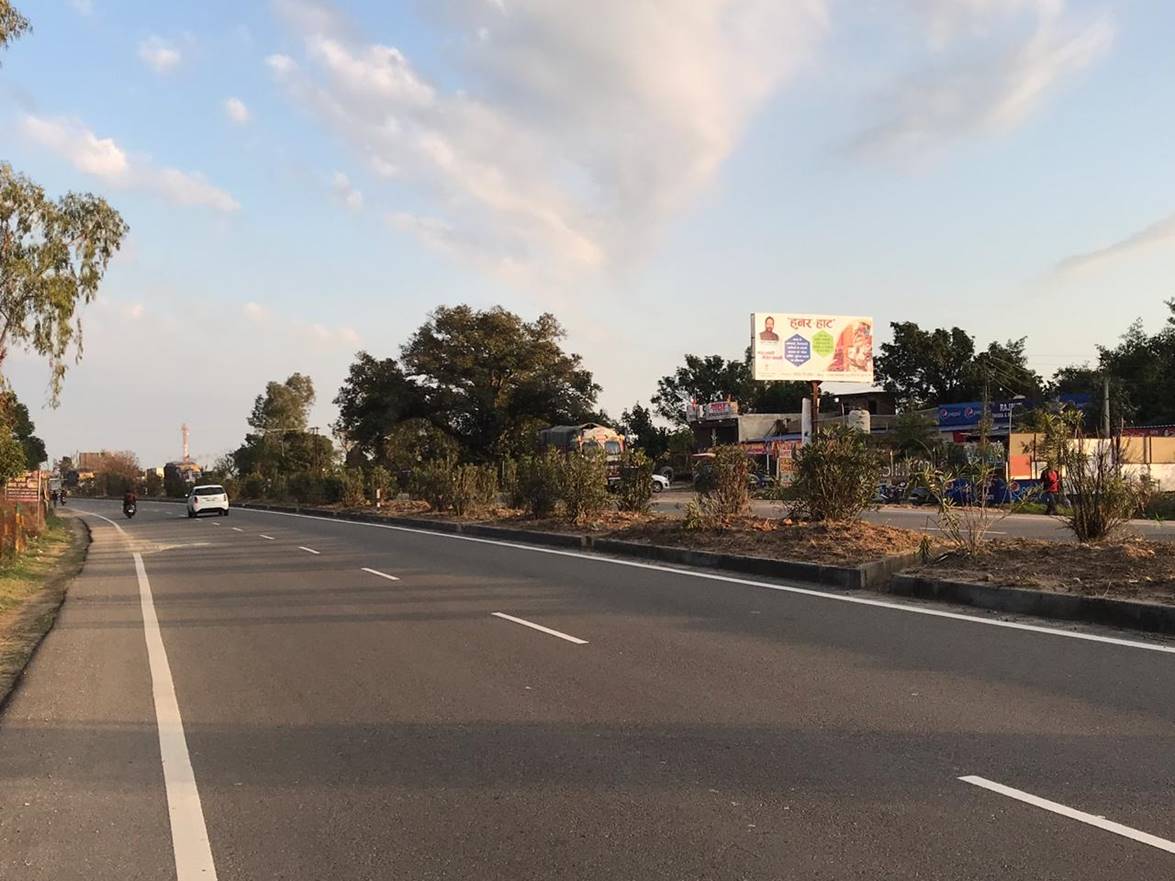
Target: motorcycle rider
129,500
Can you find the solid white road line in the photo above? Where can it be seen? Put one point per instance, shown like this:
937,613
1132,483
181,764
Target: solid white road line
1080,816
381,574
309,550
539,627
189,835
729,579
268,537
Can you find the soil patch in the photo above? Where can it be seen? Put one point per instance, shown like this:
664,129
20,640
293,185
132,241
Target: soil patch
1132,570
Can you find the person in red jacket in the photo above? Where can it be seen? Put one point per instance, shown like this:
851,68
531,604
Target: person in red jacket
1050,481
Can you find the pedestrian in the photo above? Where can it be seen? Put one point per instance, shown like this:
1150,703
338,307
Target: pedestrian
1050,481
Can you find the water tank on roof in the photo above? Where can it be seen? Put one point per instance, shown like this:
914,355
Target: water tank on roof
858,419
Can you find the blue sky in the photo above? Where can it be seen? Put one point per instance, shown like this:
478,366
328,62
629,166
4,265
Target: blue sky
650,172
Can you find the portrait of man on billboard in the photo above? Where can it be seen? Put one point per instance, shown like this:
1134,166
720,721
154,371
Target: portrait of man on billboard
768,335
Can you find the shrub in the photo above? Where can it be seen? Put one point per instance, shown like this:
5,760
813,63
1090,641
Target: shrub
539,482
508,482
433,481
381,485
1101,498
836,475
351,488
253,487
584,485
474,487
636,482
727,491
307,488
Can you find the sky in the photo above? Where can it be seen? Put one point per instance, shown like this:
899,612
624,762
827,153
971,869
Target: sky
304,180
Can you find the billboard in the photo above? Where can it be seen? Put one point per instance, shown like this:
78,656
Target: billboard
827,348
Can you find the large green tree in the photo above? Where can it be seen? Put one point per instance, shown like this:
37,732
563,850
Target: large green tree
53,255
285,406
489,378
707,378
638,422
922,368
1140,370
16,416
375,399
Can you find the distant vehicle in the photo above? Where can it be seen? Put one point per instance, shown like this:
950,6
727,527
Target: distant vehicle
209,497
584,439
660,483
129,510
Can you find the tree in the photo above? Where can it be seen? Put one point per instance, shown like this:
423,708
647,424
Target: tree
285,406
701,379
488,376
915,436
17,418
375,398
922,368
1141,374
12,24
53,254
116,473
638,423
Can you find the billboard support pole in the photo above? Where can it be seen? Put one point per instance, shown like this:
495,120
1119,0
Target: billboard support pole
815,406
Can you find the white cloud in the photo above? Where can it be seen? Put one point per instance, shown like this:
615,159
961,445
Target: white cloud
983,90
281,65
237,111
256,312
104,158
591,124
1161,232
82,7
101,157
161,55
346,193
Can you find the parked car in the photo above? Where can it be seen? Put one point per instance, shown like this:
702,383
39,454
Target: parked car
660,483
206,498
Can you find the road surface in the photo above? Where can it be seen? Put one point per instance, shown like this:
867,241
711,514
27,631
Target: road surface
255,697
924,519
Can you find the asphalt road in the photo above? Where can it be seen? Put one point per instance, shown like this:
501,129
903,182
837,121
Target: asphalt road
924,519
297,714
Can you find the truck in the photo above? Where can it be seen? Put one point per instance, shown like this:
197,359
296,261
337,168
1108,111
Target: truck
586,438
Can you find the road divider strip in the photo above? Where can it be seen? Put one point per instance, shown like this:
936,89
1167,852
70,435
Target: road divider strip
380,574
309,550
1071,813
540,627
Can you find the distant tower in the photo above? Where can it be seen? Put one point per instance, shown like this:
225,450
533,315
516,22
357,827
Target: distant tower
187,451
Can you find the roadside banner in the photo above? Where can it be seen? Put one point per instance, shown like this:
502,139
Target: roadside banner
825,348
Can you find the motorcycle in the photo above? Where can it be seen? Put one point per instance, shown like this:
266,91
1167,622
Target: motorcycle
129,511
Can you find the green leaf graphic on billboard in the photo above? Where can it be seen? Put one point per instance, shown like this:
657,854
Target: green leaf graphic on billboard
822,343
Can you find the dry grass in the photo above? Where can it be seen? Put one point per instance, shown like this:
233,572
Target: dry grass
1135,569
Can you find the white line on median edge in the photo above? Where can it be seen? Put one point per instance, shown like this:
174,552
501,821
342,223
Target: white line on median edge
540,627
381,574
309,550
729,579
189,835
1080,816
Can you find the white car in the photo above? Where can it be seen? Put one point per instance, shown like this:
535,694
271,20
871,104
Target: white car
660,483
209,497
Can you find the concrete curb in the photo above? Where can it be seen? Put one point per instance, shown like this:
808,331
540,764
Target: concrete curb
1150,617
868,576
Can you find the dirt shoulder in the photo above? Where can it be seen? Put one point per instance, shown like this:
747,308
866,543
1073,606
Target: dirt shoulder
1129,570
32,587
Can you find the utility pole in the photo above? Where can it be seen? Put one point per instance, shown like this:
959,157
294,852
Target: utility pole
815,407
1106,406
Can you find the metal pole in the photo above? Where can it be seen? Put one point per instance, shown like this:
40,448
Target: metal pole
1106,406
815,406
